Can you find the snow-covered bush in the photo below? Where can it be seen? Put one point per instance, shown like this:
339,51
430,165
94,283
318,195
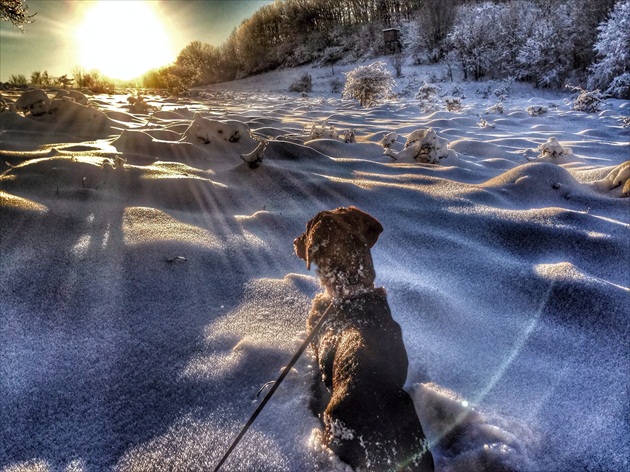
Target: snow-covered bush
303,84
424,146
587,101
431,147
484,91
504,88
457,91
535,110
496,108
551,150
613,48
369,83
546,55
336,85
388,139
429,97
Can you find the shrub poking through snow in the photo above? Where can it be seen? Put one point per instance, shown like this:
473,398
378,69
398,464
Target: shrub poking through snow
303,84
323,131
587,101
423,145
118,163
336,85
137,104
453,103
370,83
552,150
255,158
349,135
483,123
535,110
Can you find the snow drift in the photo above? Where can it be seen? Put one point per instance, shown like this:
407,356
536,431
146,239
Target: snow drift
149,287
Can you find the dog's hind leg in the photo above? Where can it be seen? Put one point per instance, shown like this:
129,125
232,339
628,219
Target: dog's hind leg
320,394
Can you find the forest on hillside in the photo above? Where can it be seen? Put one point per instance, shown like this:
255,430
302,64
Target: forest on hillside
547,42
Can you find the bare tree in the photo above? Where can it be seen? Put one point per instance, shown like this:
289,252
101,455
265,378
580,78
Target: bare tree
15,11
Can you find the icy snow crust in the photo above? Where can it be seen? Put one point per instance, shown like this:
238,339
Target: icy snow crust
149,287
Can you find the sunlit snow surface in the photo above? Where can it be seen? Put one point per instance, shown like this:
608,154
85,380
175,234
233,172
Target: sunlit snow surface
143,308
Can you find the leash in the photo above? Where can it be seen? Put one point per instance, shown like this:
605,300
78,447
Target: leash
276,384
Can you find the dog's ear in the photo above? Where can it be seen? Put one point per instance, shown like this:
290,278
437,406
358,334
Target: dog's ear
308,243
299,245
303,243
369,226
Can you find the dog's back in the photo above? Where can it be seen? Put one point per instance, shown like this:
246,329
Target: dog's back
370,420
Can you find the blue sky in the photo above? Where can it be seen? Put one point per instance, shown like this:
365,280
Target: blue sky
50,43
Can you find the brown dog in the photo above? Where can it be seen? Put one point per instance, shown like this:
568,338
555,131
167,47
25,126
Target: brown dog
370,421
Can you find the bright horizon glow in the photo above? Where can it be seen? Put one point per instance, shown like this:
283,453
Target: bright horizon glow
123,40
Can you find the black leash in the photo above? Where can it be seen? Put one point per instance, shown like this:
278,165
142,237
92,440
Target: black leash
275,386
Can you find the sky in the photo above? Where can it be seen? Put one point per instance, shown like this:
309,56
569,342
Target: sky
121,38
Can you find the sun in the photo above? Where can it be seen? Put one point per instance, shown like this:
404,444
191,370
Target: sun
123,39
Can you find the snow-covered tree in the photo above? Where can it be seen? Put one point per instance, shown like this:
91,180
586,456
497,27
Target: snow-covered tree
587,15
546,55
472,39
369,83
433,23
515,22
613,50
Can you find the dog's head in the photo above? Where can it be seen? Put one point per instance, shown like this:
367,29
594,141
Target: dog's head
339,242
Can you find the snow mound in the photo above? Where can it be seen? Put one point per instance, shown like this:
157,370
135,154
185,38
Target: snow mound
466,439
206,131
34,102
616,183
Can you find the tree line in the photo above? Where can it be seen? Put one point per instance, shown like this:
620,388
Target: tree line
548,42
544,41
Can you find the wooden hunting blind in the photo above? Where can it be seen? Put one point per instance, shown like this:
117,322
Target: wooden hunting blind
391,39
